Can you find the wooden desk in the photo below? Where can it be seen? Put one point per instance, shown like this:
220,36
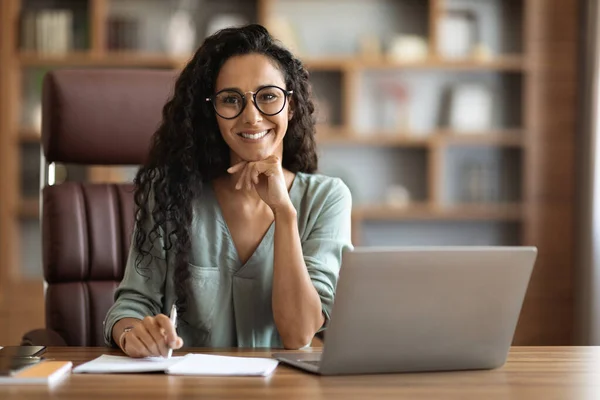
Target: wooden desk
530,373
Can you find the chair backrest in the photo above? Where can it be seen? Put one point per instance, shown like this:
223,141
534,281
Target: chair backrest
92,117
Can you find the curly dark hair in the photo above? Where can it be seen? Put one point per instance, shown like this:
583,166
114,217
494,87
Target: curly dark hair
187,150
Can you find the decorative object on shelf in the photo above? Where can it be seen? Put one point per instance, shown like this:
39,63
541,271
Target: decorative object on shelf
122,33
322,111
397,196
47,31
479,182
471,108
181,30
222,21
458,33
408,48
481,52
393,98
370,47
281,29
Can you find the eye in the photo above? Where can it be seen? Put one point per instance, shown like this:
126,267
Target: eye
230,100
268,96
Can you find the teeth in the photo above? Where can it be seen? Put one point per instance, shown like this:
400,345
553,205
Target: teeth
254,136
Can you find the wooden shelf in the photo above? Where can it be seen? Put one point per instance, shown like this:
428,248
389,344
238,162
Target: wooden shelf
501,63
158,60
425,211
500,138
29,135
374,139
115,59
29,208
329,63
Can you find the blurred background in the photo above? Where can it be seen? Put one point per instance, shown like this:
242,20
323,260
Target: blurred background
453,122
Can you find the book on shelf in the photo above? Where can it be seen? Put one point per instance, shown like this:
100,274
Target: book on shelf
47,31
122,33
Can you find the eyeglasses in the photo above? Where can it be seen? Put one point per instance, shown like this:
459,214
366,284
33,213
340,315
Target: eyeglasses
269,100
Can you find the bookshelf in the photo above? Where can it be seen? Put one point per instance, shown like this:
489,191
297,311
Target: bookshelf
530,137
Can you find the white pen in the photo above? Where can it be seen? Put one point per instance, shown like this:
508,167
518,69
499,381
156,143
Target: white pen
173,319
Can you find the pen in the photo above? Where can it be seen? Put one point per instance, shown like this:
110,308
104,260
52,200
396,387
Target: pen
173,319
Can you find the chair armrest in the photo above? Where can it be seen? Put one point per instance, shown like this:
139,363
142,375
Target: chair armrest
42,337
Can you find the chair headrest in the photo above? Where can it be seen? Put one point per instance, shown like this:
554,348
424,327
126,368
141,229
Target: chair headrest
102,116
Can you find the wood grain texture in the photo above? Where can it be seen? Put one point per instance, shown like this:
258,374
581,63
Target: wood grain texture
22,311
549,192
98,19
9,184
436,8
264,11
5,214
530,373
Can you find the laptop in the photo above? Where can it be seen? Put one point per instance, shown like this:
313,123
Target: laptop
422,309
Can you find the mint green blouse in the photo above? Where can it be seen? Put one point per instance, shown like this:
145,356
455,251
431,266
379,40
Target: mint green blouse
230,302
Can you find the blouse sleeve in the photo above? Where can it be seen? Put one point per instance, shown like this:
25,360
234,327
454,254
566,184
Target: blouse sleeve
329,237
141,292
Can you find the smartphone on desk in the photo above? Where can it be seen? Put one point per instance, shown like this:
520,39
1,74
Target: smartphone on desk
22,351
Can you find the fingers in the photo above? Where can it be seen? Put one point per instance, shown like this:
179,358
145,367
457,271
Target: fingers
251,171
241,180
152,338
255,175
267,167
134,347
169,334
237,167
250,175
241,166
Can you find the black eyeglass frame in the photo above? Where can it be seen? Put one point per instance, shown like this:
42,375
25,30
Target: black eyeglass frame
287,93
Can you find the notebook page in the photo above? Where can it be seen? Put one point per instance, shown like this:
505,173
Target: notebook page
106,364
203,364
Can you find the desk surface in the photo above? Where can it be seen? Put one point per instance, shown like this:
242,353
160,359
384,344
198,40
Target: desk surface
530,373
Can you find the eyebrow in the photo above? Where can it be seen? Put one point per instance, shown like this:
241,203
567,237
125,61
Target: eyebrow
255,90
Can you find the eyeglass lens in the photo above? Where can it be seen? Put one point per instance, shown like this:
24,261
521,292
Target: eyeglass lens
270,100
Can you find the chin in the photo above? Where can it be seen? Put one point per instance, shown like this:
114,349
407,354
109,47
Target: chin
256,155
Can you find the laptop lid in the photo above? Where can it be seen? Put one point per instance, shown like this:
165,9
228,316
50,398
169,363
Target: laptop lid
426,308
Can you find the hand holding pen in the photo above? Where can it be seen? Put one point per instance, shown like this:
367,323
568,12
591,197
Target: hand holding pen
173,319
152,337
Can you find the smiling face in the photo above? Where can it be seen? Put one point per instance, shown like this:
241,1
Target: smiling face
252,135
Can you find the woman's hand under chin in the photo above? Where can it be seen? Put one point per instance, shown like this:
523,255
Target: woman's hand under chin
267,178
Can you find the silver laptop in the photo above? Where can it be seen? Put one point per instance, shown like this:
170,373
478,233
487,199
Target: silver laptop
422,309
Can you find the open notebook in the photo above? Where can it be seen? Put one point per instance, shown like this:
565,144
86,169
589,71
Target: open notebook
190,364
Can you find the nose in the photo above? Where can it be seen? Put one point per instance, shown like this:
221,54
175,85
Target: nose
251,115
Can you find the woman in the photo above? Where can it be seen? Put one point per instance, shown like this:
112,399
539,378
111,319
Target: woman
232,224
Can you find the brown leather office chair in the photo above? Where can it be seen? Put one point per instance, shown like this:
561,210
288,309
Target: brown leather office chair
91,117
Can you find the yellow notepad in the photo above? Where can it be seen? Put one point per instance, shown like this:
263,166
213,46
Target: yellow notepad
45,372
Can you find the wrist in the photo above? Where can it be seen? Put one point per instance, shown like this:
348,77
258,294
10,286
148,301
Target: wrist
286,212
123,338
